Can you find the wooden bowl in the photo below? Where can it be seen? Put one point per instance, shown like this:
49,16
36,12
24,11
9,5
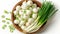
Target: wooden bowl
13,18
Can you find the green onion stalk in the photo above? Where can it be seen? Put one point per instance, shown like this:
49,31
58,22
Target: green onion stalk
44,13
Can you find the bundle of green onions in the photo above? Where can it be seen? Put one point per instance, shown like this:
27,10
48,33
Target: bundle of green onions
44,13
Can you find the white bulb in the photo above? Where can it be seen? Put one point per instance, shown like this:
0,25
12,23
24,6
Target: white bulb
23,27
30,20
22,22
25,16
15,12
35,10
38,8
29,3
21,12
21,17
18,8
28,12
27,24
16,21
17,16
34,5
34,16
30,8
24,5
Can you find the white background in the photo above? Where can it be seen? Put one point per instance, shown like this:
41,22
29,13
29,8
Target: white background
52,28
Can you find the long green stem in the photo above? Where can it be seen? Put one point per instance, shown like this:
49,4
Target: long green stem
45,12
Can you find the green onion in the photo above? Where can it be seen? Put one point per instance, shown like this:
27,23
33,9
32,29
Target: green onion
11,27
3,21
3,16
7,22
4,26
8,19
6,12
11,31
44,13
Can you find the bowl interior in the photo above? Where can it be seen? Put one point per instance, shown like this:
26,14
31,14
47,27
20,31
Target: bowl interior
14,8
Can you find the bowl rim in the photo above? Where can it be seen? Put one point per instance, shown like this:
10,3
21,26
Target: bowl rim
12,17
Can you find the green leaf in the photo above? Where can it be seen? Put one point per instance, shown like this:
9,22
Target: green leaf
44,13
